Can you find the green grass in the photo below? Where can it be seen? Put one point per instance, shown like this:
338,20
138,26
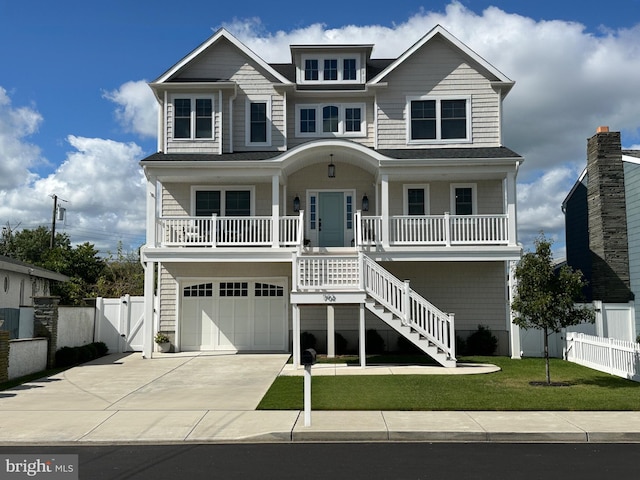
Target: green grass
508,389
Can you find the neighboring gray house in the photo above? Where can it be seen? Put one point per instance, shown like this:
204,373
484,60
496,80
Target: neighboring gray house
602,219
19,283
333,193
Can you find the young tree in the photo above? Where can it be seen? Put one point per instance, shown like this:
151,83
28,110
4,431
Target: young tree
546,299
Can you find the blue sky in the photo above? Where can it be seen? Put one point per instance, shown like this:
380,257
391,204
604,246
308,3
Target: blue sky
76,115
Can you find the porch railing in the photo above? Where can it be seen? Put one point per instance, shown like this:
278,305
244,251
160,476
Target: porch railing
358,273
216,231
435,230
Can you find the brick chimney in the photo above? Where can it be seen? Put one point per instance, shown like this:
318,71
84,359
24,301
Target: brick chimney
607,218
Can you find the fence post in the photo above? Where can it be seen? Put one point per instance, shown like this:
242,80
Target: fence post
452,335
447,229
611,356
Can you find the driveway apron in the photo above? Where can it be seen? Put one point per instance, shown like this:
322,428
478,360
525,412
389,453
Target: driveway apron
185,381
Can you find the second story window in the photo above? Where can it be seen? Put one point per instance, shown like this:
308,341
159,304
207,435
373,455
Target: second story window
222,201
434,120
352,119
193,118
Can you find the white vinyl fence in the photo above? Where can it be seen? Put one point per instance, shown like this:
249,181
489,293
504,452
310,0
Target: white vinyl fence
617,357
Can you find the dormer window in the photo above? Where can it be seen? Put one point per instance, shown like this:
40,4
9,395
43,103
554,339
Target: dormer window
311,70
333,69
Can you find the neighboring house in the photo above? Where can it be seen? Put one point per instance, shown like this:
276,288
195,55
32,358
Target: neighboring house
19,283
334,193
602,218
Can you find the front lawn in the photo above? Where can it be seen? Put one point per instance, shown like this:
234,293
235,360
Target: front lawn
508,389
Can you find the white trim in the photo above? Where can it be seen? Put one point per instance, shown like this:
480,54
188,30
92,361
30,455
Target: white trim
221,33
222,189
474,196
439,30
182,282
318,107
438,99
192,125
300,70
247,119
405,197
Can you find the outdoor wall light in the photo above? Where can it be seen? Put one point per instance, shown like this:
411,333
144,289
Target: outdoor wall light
296,204
332,168
365,203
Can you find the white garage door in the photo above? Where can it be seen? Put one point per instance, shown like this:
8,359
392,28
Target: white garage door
237,315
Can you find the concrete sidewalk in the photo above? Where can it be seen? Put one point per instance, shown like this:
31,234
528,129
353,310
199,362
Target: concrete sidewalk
212,399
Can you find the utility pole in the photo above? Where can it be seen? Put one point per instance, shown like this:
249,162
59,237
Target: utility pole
53,220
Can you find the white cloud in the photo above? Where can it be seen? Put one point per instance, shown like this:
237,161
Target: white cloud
568,82
137,108
100,184
16,153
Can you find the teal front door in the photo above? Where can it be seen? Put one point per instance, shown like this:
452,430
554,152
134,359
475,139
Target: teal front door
331,219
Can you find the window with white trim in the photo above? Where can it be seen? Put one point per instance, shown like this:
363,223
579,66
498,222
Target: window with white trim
324,120
416,200
258,121
222,201
464,199
438,119
330,69
193,117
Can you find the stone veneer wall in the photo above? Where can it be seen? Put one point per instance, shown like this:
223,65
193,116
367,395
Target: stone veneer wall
45,324
606,202
4,356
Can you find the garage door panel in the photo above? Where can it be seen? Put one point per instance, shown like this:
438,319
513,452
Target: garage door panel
234,315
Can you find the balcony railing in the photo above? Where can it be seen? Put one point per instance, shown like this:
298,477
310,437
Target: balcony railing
429,230
435,230
218,231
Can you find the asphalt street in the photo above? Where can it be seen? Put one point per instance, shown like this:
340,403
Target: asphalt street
354,461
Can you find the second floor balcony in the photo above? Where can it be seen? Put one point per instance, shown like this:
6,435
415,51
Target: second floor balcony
447,231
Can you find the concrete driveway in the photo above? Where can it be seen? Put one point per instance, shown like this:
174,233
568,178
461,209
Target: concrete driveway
183,381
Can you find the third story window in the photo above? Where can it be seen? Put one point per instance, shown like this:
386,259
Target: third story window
258,122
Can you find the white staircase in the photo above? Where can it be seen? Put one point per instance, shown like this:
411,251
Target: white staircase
409,314
390,299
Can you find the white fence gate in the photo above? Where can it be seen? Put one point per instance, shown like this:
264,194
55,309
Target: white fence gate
120,323
610,355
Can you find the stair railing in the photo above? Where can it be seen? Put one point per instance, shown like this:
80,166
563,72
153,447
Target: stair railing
413,309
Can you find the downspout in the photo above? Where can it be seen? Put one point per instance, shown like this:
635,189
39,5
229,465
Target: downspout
231,100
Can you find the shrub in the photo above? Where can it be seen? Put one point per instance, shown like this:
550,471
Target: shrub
308,340
482,342
374,342
461,346
68,356
341,344
406,347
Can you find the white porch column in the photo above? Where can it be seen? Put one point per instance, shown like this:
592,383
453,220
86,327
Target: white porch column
385,210
295,327
151,211
275,211
514,330
511,208
331,331
363,336
149,302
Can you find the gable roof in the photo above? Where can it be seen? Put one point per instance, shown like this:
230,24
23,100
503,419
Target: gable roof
216,37
441,32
